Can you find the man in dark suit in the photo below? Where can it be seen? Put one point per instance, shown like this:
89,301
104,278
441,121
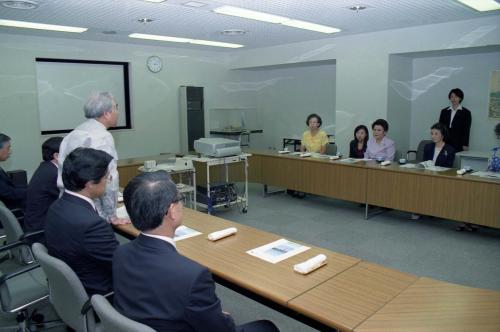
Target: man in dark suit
153,283
74,231
11,195
458,121
42,189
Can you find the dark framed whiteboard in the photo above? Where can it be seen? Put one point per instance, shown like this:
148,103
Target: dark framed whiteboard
63,86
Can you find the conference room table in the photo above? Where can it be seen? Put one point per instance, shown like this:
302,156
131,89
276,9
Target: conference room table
345,294
443,194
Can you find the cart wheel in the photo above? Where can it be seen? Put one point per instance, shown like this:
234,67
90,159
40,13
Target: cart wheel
245,210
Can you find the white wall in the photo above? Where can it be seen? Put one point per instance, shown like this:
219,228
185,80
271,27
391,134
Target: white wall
362,63
154,97
290,95
469,72
356,88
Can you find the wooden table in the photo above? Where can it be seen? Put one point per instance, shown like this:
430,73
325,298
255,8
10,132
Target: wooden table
347,294
447,195
271,284
354,295
435,306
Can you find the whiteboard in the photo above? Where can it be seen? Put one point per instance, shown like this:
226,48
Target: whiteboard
63,87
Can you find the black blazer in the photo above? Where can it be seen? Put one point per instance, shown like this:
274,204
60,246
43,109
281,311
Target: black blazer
42,192
445,158
460,129
158,287
353,148
10,195
77,235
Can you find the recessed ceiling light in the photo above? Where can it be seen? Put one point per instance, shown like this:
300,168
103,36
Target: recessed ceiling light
155,1
41,26
250,14
310,26
270,18
183,40
357,8
14,4
194,4
233,32
145,20
481,5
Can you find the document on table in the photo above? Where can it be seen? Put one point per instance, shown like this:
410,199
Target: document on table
350,160
277,251
436,168
183,232
483,174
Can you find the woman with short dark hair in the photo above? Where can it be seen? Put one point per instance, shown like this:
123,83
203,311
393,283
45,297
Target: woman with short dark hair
441,153
457,120
380,147
314,139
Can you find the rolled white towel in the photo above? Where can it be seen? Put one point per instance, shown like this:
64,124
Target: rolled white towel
310,265
461,171
304,154
385,163
221,234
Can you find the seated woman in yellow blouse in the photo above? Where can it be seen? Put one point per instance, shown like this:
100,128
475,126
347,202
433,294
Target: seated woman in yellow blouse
314,139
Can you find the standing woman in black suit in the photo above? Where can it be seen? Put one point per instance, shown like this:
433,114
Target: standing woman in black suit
441,153
458,120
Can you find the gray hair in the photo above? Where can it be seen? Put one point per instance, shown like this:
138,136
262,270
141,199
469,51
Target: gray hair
98,104
3,139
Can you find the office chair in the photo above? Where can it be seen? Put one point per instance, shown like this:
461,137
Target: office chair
21,288
331,149
112,320
67,294
418,153
15,233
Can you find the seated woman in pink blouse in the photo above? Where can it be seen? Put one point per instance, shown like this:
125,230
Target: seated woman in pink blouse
380,147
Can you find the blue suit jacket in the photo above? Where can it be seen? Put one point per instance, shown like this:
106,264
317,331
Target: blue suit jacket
445,158
42,192
10,195
77,235
158,287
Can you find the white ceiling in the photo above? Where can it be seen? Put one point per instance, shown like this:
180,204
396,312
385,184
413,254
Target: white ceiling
172,18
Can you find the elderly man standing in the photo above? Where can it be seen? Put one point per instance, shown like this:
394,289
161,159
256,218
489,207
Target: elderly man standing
156,285
101,112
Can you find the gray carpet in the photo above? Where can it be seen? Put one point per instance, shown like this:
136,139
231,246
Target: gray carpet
427,247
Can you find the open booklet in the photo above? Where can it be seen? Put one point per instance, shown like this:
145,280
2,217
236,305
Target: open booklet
277,251
182,232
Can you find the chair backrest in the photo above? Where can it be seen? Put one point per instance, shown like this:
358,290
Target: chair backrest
67,293
419,153
420,149
331,149
13,232
112,320
10,224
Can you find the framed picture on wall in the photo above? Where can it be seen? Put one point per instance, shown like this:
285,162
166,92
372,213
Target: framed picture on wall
494,105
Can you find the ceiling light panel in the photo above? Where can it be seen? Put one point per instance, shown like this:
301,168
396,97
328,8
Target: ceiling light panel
184,40
310,26
481,5
250,14
41,26
259,16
